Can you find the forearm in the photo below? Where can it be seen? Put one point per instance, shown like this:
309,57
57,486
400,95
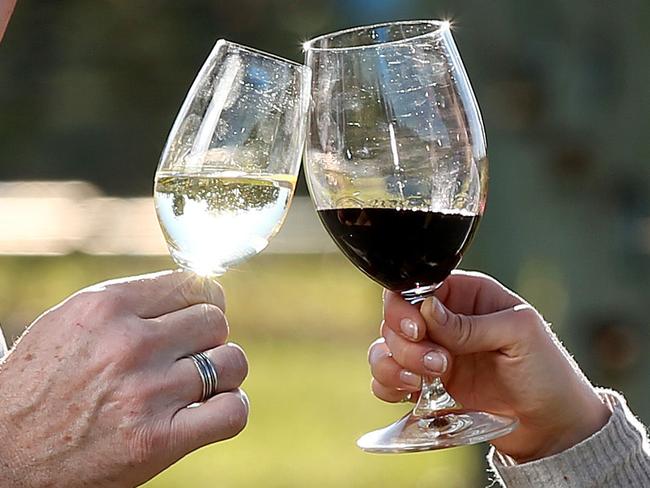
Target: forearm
617,455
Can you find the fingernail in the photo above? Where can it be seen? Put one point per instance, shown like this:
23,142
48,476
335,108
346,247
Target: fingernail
435,362
438,311
409,378
409,328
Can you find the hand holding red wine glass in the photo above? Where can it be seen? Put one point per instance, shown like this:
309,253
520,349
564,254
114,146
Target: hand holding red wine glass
397,168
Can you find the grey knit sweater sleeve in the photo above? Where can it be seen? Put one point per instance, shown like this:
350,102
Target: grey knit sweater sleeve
618,456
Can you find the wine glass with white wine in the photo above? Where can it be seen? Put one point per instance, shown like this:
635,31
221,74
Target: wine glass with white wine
228,171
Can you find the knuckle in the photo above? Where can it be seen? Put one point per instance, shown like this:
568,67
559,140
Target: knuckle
214,316
530,320
217,295
208,290
238,420
100,307
236,415
465,329
104,311
112,302
210,313
237,360
527,315
185,288
377,351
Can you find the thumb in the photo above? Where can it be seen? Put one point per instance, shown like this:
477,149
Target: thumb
468,334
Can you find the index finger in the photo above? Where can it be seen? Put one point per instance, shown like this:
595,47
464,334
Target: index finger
155,294
402,317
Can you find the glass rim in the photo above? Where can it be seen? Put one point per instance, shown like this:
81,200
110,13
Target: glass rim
258,52
440,26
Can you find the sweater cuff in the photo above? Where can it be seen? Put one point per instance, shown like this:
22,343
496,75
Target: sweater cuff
618,452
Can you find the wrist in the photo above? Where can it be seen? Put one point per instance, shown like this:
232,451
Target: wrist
590,417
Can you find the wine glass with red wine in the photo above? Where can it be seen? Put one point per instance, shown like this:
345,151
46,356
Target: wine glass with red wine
397,167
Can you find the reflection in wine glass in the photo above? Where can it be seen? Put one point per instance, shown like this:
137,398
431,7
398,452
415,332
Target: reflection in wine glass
397,168
228,171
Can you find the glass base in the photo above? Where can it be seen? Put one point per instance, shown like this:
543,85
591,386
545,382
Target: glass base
443,429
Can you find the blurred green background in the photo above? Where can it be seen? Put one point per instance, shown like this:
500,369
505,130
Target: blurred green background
88,91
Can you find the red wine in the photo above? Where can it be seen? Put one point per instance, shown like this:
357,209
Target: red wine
401,249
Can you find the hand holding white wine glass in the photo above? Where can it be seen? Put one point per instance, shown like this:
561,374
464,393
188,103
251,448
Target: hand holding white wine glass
397,167
228,171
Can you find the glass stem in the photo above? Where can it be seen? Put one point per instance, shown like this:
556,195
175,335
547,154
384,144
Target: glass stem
433,397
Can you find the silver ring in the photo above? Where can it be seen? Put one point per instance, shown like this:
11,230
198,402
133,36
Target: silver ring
207,373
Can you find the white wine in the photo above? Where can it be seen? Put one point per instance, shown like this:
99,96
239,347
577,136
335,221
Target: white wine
214,221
